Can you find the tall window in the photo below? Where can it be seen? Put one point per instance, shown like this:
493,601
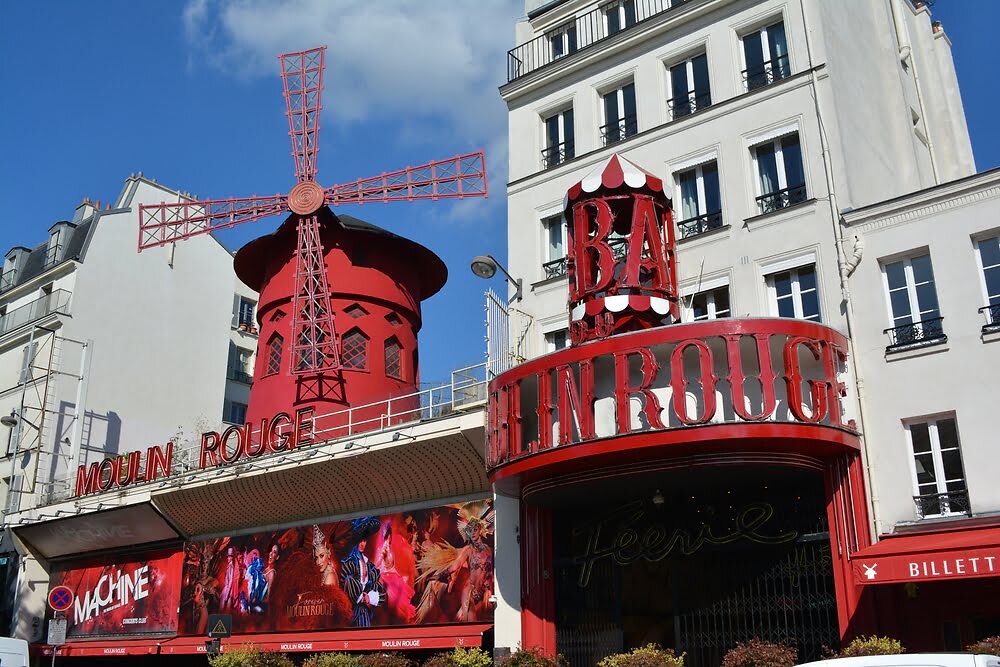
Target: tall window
619,15
620,120
938,476
8,273
913,303
765,54
699,199
782,181
555,246
559,145
689,86
237,413
240,368
709,305
273,359
393,359
556,340
354,350
52,250
794,294
988,253
562,41
246,312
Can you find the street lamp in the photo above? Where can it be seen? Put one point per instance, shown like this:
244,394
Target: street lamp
485,266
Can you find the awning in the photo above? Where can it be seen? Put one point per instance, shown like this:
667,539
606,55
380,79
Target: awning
107,647
955,554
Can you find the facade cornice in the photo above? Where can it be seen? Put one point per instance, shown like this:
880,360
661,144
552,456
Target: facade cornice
63,268
937,199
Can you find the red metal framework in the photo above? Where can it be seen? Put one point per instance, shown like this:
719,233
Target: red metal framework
314,336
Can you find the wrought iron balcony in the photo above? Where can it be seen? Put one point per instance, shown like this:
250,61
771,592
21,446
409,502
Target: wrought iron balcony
7,279
52,255
560,267
779,199
699,224
687,104
612,133
942,504
992,315
557,154
56,301
240,375
766,73
924,332
589,29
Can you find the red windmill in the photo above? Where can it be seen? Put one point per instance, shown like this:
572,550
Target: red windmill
315,346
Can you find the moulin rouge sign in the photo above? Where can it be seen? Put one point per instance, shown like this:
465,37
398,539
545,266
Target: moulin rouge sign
280,433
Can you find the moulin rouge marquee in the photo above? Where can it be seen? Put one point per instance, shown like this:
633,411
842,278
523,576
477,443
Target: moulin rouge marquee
281,433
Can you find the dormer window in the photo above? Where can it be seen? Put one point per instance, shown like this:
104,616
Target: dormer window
58,236
13,262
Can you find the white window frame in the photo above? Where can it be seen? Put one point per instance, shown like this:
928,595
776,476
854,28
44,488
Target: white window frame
689,73
765,47
619,7
939,476
916,315
688,303
779,161
561,115
772,291
550,344
982,273
547,222
562,32
700,180
618,90
239,310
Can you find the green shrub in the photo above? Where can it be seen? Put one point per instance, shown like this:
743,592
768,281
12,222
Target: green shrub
249,656
988,645
650,655
385,660
333,660
759,653
533,657
863,646
470,657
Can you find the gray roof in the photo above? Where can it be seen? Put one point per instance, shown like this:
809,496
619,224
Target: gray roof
73,247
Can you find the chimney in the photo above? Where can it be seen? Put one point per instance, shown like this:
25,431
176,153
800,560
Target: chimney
84,210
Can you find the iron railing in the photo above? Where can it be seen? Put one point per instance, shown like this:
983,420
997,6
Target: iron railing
992,315
560,267
699,224
56,301
589,29
7,279
779,199
926,331
612,133
239,375
688,103
942,504
52,255
557,154
766,73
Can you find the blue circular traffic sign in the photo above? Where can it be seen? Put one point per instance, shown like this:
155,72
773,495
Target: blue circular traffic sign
60,598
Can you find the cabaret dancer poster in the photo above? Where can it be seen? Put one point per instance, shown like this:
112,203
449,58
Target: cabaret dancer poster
121,598
423,566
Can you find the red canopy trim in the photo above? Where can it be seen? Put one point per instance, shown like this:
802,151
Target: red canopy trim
615,172
616,304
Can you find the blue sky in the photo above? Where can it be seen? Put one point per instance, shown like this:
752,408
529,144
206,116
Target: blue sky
188,93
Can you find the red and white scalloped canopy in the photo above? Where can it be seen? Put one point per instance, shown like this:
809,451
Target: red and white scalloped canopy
614,173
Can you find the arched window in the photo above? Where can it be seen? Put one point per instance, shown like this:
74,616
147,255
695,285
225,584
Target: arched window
273,359
393,359
354,350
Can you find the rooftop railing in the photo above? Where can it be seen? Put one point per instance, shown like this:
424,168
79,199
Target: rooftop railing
56,301
588,30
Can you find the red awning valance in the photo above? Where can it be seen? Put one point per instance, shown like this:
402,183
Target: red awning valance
955,554
110,647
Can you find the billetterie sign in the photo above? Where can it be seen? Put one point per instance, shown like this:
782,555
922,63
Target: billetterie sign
281,433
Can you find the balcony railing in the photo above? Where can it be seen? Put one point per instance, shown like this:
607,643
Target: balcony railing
589,29
7,279
924,332
53,254
56,301
559,267
612,133
687,104
942,504
557,154
239,375
992,315
699,224
766,73
779,199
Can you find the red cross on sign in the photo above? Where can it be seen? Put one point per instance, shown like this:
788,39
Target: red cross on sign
60,598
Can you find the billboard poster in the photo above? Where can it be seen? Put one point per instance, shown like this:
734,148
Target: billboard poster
123,598
424,566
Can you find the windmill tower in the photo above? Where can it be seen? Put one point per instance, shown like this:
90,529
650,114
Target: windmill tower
339,306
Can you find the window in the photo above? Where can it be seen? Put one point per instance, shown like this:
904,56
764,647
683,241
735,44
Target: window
793,293
699,199
562,41
559,145
354,350
52,250
619,15
393,319
393,359
619,115
988,254
354,311
689,87
779,168
765,55
237,413
555,246
274,349
246,313
557,340
240,366
913,304
27,368
938,477
711,304
8,273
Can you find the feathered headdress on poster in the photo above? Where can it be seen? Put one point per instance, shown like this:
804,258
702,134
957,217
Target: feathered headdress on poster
319,539
436,559
475,515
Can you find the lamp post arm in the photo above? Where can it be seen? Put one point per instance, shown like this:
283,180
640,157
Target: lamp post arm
516,282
